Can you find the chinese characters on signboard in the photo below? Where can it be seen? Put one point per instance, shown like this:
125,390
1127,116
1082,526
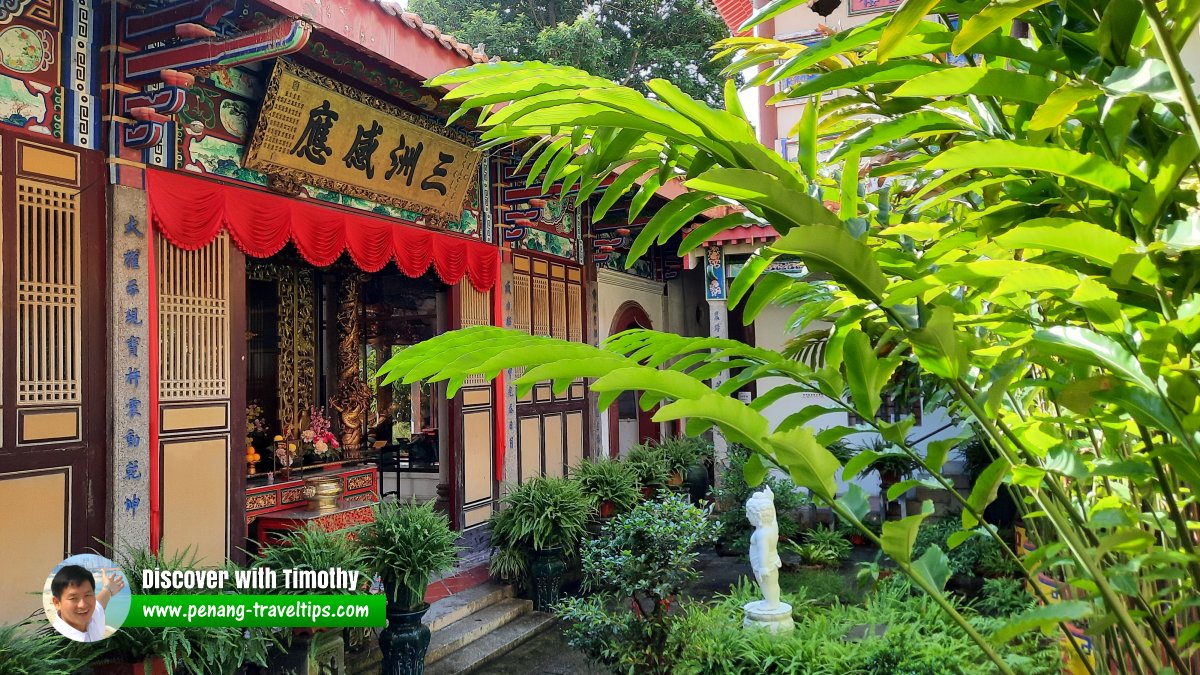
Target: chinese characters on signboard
320,132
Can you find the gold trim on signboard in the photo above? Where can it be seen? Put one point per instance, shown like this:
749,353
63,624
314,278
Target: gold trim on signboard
306,134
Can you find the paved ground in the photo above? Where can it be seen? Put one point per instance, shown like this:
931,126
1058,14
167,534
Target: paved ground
548,653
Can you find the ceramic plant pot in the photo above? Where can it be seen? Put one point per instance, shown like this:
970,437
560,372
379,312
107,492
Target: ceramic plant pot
546,572
404,641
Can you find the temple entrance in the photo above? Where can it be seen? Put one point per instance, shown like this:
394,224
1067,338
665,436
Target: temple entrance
628,424
315,337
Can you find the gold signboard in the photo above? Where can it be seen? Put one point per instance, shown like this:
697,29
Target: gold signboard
317,131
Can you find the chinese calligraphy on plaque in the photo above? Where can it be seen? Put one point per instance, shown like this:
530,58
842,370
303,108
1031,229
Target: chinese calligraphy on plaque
323,133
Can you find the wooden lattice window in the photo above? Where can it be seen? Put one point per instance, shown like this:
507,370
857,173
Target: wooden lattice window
574,312
475,310
547,299
193,319
48,311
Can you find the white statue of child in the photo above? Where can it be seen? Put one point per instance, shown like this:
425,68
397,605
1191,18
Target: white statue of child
764,545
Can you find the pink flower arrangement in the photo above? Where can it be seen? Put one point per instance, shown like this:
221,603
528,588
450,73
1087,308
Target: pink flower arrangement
318,435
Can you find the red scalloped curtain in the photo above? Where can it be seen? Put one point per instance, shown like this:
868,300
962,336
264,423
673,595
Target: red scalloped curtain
190,212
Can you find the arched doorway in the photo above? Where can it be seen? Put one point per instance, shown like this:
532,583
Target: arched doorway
628,424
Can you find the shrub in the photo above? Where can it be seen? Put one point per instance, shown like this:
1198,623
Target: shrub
608,480
823,546
539,514
1003,597
684,452
962,559
637,566
33,648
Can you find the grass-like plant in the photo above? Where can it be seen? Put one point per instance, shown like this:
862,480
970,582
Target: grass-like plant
543,513
33,648
684,452
607,480
650,466
312,548
189,649
405,545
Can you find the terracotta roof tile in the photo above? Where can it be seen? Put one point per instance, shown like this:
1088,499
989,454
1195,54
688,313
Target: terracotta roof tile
734,12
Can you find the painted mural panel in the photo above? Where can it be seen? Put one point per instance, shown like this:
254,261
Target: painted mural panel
532,221
46,57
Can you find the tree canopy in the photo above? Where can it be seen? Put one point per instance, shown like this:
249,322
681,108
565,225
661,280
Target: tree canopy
627,41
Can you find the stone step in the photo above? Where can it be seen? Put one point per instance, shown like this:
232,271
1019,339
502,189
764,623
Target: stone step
492,646
452,608
474,626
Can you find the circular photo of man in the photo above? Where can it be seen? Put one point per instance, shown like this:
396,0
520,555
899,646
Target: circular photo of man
86,597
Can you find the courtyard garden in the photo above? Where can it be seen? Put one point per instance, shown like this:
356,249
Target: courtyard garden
999,197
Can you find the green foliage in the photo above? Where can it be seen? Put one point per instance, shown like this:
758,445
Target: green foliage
649,464
963,559
916,638
830,537
608,480
822,547
684,452
313,548
629,41
731,498
33,648
542,513
191,650
642,559
406,544
820,586
1004,597
1025,238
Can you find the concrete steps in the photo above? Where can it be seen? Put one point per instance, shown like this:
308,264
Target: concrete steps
491,646
477,625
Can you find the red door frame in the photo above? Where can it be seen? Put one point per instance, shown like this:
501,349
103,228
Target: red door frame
630,315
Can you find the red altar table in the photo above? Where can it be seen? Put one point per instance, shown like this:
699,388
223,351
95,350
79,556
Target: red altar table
270,527
275,505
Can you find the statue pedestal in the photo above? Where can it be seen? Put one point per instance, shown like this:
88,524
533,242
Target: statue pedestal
776,619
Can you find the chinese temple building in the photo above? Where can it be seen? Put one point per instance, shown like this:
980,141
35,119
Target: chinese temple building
219,217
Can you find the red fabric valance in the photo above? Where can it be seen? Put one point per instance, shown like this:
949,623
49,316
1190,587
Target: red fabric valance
190,212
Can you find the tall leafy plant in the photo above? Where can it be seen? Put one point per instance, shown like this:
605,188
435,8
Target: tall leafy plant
1015,216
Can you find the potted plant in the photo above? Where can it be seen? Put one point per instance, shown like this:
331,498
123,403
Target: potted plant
543,518
313,548
611,484
686,457
651,468
405,545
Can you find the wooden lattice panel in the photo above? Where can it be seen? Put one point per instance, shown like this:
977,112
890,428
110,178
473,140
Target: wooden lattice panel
193,316
574,312
521,314
558,300
475,309
49,344
539,303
